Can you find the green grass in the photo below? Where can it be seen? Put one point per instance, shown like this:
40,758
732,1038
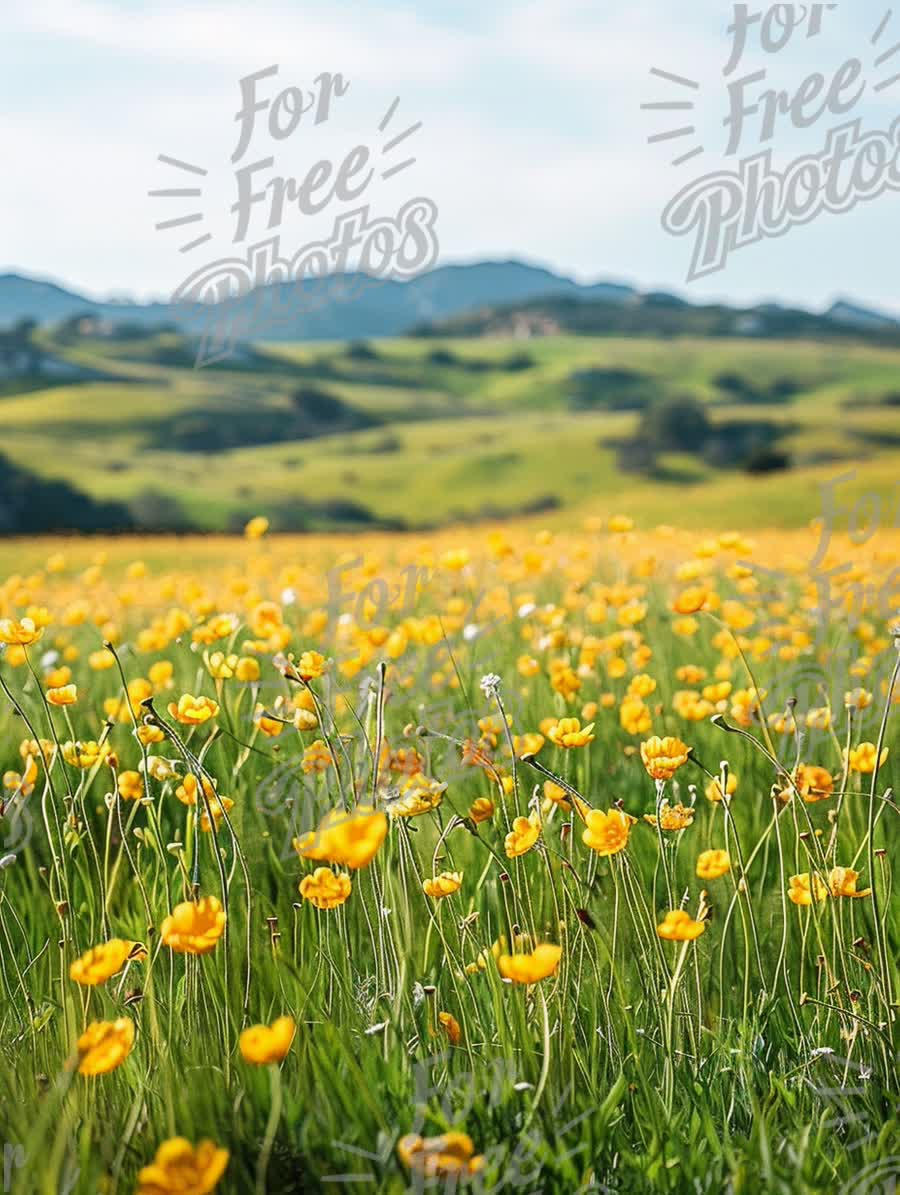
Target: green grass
452,441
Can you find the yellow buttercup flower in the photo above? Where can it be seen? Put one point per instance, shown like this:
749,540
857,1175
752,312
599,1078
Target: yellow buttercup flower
86,755
451,1156
418,794
63,695
863,758
842,882
193,711
481,810
443,885
130,786
19,633
263,1044
607,833
194,927
663,757
713,790
102,962
450,1025
679,926
802,888
713,864
181,1168
523,835
349,839
317,757
671,817
568,732
257,527
530,968
324,889
104,1045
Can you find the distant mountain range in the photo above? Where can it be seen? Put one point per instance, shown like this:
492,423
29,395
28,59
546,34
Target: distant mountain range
352,307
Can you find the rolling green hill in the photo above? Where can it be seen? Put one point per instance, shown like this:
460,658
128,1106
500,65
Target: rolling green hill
417,432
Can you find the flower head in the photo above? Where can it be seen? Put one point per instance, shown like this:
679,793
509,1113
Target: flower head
530,968
63,695
568,732
679,926
20,634
713,864
607,833
451,1156
802,888
181,1168
842,882
443,885
663,757
104,1045
324,889
102,962
523,835
194,927
193,711
262,1044
349,839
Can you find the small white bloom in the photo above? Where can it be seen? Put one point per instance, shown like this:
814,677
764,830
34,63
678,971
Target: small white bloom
526,608
288,597
471,631
489,684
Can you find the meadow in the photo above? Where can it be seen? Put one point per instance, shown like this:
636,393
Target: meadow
547,856
418,433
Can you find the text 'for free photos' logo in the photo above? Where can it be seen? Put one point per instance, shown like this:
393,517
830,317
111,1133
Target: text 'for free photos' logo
728,209
361,247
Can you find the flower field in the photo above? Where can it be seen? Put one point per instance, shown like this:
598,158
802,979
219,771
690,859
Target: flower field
506,859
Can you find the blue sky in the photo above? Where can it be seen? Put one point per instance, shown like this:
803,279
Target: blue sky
533,142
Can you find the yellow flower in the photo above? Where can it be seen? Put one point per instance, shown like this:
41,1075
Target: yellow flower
862,758
679,926
812,782
218,807
194,927
842,882
311,666
443,885
671,817
262,1044
349,839
568,732
634,716
317,757
180,1168
85,755
663,757
21,633
714,788
63,695
270,727
418,794
450,1025
324,889
607,833
713,864
530,968
104,1045
193,711
102,962
689,601
450,1156
257,527
130,786
481,810
523,835
247,670
802,887
527,744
